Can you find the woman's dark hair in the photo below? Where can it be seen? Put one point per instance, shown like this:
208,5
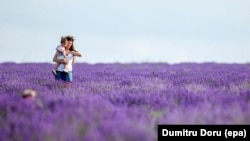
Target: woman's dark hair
71,38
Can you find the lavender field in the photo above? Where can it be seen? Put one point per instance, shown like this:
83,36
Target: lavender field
120,102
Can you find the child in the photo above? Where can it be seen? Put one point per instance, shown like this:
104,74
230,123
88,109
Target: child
61,55
29,93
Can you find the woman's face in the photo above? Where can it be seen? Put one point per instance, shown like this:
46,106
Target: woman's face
69,44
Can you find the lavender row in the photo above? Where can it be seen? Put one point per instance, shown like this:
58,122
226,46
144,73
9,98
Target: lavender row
120,101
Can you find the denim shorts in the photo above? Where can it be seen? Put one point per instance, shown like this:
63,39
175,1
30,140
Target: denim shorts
64,76
60,56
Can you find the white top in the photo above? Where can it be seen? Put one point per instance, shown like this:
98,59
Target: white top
70,58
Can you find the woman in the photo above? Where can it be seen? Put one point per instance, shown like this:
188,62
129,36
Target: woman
69,60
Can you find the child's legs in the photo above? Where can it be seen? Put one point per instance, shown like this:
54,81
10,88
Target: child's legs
61,56
56,66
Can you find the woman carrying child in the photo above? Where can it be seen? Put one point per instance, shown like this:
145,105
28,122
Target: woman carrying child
66,62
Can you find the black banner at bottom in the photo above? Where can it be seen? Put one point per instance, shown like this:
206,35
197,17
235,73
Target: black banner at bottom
221,132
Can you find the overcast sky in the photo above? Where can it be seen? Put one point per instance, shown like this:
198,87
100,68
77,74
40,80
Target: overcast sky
107,31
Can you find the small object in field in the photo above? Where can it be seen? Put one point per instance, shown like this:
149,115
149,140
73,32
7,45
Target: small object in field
28,93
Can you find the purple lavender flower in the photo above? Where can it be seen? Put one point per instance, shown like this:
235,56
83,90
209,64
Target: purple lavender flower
120,101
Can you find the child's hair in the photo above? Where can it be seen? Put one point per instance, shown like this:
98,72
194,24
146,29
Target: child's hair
63,39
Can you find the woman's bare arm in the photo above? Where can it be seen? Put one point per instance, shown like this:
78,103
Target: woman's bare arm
73,60
76,53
